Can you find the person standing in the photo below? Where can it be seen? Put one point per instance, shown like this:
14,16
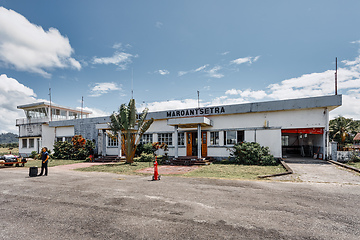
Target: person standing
44,161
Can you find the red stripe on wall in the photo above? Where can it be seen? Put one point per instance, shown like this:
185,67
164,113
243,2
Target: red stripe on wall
304,130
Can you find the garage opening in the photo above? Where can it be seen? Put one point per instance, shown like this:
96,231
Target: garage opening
305,142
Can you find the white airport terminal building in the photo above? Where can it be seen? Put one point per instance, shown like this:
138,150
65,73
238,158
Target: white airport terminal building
297,126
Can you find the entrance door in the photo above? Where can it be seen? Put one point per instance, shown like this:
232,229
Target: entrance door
189,144
192,143
204,144
38,145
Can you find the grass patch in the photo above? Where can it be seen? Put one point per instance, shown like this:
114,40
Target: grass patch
119,168
52,163
4,151
354,164
227,171
234,171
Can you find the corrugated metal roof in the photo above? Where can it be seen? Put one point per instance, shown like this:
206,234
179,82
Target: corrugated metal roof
357,137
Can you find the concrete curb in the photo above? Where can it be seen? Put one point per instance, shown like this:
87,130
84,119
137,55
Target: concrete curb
288,171
344,166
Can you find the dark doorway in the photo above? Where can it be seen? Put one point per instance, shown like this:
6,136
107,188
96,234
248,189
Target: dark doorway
194,143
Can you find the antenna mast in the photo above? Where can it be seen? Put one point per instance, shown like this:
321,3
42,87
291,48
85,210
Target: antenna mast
336,76
198,92
82,105
50,102
132,83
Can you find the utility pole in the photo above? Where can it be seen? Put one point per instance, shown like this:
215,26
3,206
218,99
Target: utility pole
198,93
336,76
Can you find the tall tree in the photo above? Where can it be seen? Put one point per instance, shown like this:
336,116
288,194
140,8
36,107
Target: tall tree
130,129
343,129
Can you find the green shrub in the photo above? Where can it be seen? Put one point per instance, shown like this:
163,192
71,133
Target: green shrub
79,149
354,157
33,154
144,157
251,153
62,150
144,148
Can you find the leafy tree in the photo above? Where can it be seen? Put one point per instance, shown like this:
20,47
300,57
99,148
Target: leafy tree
130,129
343,130
8,138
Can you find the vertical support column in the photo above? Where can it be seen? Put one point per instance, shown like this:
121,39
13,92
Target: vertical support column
199,141
104,143
326,152
176,127
334,151
324,144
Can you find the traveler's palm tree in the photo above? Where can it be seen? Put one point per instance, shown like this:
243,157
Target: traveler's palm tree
126,124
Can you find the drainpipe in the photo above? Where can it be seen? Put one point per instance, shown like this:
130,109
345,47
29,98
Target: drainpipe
199,141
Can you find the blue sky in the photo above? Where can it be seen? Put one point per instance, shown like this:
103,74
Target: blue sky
230,51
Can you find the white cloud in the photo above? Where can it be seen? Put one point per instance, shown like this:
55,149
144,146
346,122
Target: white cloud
95,112
117,46
121,59
120,47
351,63
225,53
224,100
173,104
163,72
214,72
249,60
159,24
28,47
201,68
247,94
103,88
181,73
12,94
355,42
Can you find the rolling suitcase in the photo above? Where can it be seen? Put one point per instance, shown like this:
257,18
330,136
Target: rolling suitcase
33,171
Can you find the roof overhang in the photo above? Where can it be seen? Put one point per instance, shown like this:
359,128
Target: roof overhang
190,122
330,102
53,105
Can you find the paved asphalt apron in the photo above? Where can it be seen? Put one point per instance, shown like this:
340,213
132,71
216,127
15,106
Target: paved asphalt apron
318,171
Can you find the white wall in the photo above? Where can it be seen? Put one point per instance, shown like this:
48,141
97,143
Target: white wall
284,119
270,138
48,137
250,136
27,151
65,131
28,130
